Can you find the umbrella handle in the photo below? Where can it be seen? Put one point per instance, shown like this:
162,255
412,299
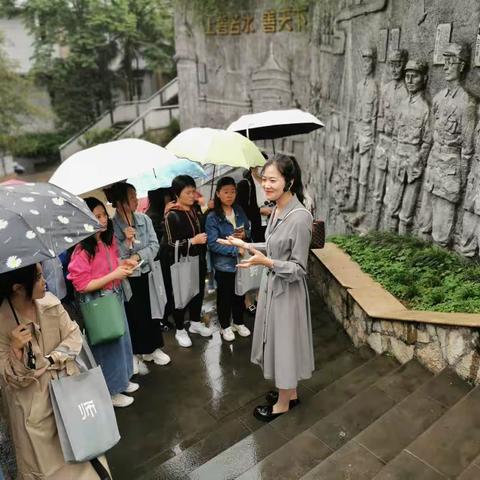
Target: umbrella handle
213,178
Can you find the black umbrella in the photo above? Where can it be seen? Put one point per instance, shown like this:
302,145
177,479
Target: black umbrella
40,221
275,124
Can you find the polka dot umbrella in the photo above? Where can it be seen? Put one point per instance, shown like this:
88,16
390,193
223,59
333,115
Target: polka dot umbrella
39,221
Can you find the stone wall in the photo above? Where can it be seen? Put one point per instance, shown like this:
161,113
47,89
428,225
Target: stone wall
435,346
389,157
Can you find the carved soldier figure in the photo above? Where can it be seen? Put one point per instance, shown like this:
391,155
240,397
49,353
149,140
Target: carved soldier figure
454,112
413,142
470,240
364,135
391,95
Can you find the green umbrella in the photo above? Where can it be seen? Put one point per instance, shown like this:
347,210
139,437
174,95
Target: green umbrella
216,147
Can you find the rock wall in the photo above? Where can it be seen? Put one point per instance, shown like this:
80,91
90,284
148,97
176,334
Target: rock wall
435,346
398,148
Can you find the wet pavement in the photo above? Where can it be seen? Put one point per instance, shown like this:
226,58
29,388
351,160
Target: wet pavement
210,388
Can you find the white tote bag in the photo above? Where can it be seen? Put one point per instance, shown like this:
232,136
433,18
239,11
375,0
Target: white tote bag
158,295
185,277
248,279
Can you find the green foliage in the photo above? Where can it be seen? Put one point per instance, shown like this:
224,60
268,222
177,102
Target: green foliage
224,7
96,136
422,276
87,48
162,137
13,93
34,145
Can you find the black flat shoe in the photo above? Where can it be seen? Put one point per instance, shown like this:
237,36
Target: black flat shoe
252,310
272,398
265,413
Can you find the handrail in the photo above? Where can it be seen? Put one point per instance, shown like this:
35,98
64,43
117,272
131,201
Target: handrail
158,94
143,116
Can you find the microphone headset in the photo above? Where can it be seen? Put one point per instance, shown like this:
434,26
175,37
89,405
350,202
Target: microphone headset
289,187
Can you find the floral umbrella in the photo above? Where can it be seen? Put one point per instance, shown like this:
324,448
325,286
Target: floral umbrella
40,221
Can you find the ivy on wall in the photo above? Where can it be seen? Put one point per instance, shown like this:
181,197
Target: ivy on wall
223,7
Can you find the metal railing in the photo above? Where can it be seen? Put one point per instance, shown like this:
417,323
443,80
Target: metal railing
121,113
154,118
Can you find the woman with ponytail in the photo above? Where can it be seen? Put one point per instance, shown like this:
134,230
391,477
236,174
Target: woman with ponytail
95,266
282,340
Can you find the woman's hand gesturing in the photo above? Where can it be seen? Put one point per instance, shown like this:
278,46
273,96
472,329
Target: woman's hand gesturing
257,258
233,242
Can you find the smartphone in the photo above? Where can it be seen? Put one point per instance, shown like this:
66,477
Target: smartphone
138,265
239,229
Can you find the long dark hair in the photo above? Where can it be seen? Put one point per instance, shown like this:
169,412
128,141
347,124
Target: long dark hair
217,203
288,167
156,201
26,276
118,193
90,243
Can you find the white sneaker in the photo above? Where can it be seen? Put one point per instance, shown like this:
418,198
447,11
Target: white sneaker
139,365
132,387
157,356
181,336
242,330
228,334
120,400
200,328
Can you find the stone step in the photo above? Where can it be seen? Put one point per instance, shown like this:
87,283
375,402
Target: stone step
422,400
446,449
310,448
242,422
242,456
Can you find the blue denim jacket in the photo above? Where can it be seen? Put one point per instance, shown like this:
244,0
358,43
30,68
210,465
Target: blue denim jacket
147,246
224,258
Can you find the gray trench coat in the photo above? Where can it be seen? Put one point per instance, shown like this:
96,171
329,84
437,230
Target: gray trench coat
282,340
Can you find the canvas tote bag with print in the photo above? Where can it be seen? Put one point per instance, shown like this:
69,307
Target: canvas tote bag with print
185,274
83,410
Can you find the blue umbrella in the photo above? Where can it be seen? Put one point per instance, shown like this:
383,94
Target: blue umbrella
161,177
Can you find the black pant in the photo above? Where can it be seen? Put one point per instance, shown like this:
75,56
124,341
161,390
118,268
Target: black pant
228,304
195,306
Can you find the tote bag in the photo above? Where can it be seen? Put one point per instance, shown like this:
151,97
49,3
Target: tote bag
185,274
248,279
156,287
84,415
103,317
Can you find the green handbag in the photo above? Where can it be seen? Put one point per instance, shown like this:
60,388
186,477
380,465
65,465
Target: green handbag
104,318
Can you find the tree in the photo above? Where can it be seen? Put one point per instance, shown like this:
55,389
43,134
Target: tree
84,49
12,95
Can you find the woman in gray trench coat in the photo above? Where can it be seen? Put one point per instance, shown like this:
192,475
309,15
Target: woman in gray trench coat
282,340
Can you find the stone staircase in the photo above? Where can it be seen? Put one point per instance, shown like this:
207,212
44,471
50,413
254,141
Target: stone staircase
363,416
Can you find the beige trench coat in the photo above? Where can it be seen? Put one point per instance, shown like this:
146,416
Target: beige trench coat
34,432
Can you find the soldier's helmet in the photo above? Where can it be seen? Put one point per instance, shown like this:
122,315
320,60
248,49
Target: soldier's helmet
398,56
417,66
457,50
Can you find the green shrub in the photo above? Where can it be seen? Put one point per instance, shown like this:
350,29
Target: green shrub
34,145
96,136
421,275
163,136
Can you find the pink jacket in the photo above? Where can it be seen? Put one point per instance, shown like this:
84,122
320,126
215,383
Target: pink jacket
82,269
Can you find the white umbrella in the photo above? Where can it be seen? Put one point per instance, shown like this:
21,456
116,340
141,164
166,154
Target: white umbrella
275,124
109,163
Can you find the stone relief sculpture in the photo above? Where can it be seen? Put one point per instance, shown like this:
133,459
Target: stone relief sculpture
454,112
364,134
470,239
392,93
413,140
